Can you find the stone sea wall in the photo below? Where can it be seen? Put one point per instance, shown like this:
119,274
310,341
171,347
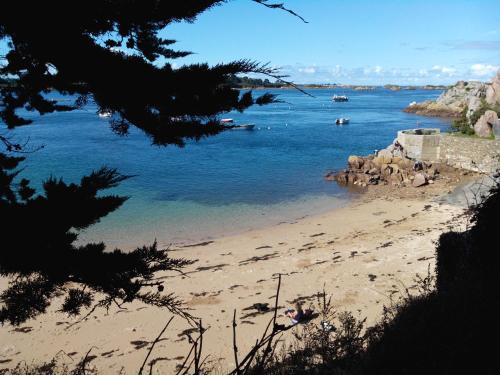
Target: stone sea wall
474,154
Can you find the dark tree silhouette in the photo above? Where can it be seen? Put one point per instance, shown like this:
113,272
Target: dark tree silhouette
107,51
110,52
39,250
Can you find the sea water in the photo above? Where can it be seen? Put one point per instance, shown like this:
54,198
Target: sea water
229,183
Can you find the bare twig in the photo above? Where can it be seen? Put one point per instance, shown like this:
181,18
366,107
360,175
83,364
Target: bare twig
267,341
197,353
265,70
81,369
153,345
196,350
267,351
101,303
235,347
18,148
182,366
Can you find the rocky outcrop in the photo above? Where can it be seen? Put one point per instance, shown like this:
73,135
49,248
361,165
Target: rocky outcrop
484,126
493,91
432,109
363,88
452,102
387,167
392,87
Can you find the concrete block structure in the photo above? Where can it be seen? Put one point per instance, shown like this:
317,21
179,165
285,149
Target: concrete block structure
420,144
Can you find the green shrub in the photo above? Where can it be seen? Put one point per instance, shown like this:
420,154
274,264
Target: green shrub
461,124
482,109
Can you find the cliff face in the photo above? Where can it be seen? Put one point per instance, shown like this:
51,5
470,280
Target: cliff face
452,102
462,95
493,91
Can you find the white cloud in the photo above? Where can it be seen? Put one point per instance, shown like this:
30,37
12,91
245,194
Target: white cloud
482,70
308,70
444,70
373,70
378,75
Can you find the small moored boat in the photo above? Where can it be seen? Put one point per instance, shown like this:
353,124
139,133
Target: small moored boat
340,98
105,114
342,121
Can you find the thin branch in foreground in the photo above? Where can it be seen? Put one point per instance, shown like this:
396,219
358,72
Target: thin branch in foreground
196,350
235,347
266,342
268,71
81,369
153,345
279,6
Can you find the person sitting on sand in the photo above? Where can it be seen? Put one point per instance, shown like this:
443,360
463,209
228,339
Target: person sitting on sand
298,314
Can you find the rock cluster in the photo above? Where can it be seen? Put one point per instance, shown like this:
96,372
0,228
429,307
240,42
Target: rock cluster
387,167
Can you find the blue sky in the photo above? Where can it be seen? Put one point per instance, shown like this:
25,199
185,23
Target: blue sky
356,41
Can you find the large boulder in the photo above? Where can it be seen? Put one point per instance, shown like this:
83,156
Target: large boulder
496,129
342,178
483,127
368,165
355,162
419,180
385,170
493,91
384,156
394,167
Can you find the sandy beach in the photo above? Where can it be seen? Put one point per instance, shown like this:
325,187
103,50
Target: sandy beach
361,254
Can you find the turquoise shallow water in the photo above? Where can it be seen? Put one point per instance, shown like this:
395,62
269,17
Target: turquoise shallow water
236,181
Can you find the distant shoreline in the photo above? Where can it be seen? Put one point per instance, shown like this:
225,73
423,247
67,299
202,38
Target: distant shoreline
352,87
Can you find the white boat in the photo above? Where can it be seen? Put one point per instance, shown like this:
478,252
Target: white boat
226,121
342,121
105,114
340,98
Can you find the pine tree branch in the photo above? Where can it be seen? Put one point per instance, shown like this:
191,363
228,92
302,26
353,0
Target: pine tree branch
279,6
